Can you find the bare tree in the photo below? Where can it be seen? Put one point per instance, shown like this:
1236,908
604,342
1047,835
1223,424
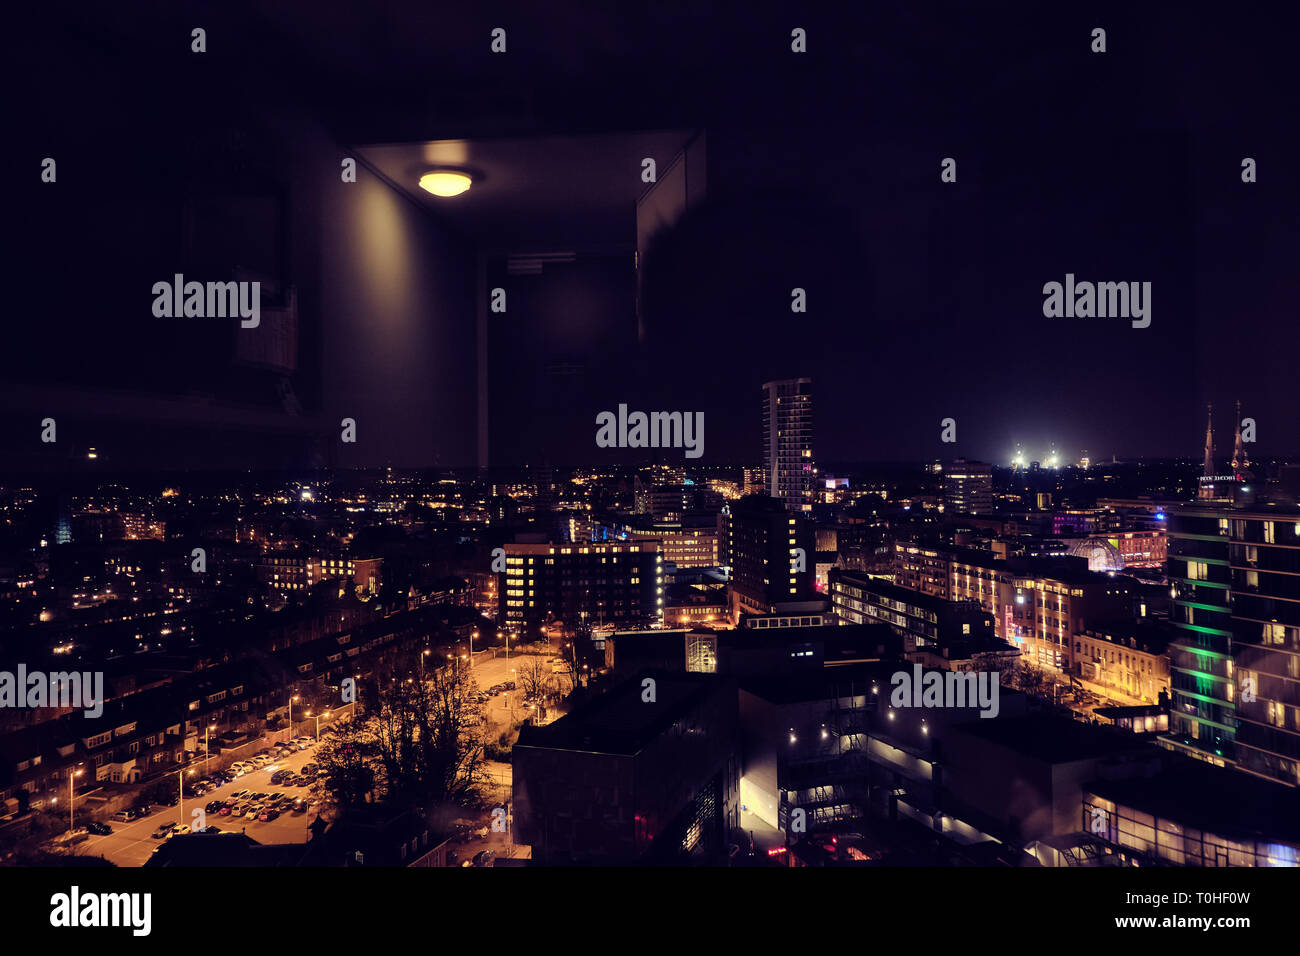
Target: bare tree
428,733
535,678
576,650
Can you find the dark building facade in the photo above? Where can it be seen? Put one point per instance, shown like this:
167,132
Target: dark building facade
771,554
647,773
1264,561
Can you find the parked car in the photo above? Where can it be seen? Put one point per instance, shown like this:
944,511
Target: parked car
143,809
484,857
309,768
225,810
163,831
214,806
269,814
240,794
299,807
99,829
125,816
253,811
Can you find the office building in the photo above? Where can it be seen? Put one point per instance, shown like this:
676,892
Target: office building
926,624
592,583
771,555
968,488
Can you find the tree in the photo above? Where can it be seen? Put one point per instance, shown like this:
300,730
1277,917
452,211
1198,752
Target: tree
580,647
1029,679
534,678
345,759
428,733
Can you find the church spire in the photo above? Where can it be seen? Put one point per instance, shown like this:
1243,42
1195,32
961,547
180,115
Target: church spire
1209,442
1239,460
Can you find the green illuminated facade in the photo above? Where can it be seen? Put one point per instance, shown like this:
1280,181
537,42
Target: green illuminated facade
1235,664
1202,709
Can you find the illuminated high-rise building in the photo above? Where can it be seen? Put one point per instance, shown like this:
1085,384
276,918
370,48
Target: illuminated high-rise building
787,442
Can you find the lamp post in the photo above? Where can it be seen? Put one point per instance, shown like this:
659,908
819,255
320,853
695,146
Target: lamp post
207,749
71,774
423,654
472,635
292,698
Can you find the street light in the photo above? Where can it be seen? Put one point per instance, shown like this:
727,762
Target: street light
318,717
291,700
207,749
71,774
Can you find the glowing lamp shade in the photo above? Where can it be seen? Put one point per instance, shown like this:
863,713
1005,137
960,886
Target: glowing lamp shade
445,182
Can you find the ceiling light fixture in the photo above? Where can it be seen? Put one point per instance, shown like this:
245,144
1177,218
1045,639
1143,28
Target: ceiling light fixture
445,182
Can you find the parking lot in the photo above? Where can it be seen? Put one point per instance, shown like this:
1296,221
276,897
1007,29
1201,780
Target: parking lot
505,708
131,844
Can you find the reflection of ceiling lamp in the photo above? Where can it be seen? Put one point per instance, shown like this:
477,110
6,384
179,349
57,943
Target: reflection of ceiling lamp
446,182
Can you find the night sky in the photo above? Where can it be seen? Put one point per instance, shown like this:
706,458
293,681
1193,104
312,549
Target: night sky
924,298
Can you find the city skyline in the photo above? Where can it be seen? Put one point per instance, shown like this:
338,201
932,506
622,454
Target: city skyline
665,439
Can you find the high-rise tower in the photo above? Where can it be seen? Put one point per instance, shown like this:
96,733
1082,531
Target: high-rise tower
787,442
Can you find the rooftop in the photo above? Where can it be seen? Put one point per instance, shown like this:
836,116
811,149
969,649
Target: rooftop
620,722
